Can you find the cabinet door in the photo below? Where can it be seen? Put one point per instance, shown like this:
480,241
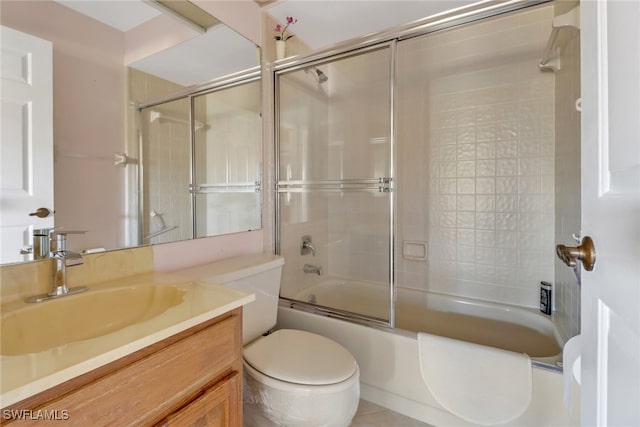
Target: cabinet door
219,406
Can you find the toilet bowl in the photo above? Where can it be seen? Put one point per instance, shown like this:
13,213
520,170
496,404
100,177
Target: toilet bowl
291,377
296,378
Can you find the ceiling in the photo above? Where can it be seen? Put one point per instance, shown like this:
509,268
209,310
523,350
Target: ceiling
213,53
320,23
218,52
121,15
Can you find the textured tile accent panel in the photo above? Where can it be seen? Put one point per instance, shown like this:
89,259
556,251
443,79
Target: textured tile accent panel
484,119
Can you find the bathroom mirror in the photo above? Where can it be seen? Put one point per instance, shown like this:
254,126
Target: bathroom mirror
96,133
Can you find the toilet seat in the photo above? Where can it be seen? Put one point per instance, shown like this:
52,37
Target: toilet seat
300,357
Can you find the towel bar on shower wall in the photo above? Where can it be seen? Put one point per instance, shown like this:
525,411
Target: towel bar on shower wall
157,116
551,57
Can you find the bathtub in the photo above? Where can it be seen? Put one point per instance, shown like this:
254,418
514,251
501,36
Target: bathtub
388,358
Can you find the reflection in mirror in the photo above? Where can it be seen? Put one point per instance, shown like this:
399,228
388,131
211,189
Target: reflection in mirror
217,189
166,212
228,152
91,129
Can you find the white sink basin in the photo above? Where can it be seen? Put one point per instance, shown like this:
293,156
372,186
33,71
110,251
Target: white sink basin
45,325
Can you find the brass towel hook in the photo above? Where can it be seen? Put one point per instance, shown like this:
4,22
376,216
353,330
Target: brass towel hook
586,253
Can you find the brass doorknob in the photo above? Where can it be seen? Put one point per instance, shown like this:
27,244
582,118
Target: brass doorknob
586,253
41,213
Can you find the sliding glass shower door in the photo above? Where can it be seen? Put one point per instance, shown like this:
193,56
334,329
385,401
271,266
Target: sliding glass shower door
334,169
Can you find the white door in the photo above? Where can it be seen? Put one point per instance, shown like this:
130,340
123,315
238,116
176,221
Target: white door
611,212
26,139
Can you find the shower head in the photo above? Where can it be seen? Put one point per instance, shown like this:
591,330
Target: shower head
322,77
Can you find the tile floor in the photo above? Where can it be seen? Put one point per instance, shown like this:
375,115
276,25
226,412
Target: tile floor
372,415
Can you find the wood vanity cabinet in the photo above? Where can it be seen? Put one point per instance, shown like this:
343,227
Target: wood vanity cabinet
193,378
215,407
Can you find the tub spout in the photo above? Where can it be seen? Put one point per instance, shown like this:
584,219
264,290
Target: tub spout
308,268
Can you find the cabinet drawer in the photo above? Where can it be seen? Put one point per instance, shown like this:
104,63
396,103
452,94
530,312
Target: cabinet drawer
146,391
219,406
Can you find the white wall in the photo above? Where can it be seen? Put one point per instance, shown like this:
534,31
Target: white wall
88,118
245,17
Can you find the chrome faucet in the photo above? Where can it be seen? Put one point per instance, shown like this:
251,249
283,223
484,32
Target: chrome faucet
62,259
315,269
307,247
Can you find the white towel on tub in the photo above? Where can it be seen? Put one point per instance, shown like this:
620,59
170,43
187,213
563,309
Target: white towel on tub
480,384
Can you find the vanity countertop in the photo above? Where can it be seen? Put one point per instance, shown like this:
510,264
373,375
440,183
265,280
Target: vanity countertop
25,375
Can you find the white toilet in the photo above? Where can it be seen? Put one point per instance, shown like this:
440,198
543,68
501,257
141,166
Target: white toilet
291,377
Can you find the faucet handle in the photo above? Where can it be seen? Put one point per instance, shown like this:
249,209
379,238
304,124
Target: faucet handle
307,247
61,237
44,232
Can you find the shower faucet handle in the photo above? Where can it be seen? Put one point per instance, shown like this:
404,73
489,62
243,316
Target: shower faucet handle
307,247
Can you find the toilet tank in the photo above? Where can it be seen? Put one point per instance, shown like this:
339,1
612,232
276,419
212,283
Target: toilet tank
257,273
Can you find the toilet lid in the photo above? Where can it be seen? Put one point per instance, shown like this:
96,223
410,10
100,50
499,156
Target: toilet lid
300,357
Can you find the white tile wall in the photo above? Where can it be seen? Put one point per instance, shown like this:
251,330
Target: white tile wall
567,175
479,116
